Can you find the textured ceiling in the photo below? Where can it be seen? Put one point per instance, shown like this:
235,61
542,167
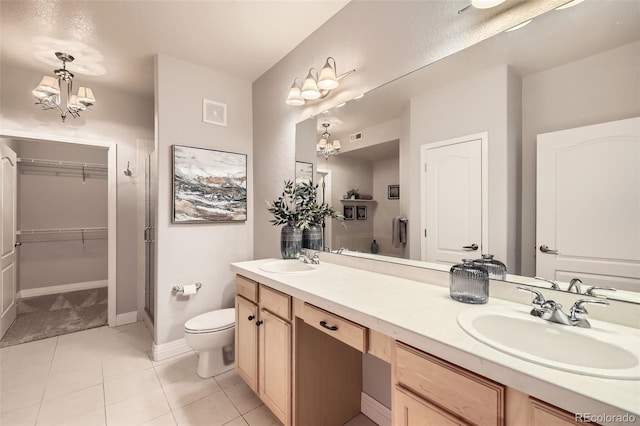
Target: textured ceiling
114,42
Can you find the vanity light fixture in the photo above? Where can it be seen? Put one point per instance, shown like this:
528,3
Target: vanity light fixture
316,85
326,147
47,93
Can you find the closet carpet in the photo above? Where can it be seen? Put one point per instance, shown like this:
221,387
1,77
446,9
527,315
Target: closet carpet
52,315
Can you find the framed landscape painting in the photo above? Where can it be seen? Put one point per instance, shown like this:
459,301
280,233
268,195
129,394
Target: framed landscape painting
208,185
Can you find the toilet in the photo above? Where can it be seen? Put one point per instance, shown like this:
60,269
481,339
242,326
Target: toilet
212,335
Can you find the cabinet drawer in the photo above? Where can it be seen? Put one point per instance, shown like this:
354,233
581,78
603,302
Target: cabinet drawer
459,391
344,330
247,288
411,410
275,302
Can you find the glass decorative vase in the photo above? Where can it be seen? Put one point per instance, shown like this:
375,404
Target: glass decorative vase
497,270
312,238
290,241
469,283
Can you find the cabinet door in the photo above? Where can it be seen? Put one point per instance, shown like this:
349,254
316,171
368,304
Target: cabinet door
275,364
247,342
410,410
543,414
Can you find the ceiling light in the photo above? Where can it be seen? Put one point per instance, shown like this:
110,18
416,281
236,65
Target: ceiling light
517,27
570,4
486,4
48,94
316,86
325,146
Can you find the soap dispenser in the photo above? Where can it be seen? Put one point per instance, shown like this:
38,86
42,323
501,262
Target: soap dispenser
374,247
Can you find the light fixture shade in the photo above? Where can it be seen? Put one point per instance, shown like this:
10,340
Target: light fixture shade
294,98
75,104
310,88
322,144
48,86
517,27
336,145
328,79
486,4
85,96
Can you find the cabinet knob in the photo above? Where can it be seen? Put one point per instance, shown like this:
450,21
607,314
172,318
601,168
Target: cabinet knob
251,317
259,323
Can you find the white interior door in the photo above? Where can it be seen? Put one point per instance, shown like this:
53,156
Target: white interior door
588,204
7,239
452,199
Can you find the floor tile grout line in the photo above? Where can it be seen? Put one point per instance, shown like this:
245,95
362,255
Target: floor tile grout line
46,384
164,393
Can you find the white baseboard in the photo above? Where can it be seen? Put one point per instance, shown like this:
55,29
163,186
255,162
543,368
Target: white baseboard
126,318
167,350
377,412
63,288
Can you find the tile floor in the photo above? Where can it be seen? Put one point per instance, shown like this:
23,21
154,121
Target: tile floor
105,376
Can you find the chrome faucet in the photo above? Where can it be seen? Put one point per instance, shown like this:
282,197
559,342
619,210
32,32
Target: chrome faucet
554,285
552,311
574,284
308,258
578,313
591,290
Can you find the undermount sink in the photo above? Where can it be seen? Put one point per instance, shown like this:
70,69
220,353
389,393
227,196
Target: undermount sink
288,266
596,351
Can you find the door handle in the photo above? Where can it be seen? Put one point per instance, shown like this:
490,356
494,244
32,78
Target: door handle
546,249
472,247
17,244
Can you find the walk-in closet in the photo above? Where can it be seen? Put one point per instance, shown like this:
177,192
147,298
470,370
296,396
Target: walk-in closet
61,256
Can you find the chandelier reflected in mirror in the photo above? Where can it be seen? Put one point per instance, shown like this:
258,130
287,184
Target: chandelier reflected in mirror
325,146
49,96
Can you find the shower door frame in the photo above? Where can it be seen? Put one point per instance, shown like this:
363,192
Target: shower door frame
111,203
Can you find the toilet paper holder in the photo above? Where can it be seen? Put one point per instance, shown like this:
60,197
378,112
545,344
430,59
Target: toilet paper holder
179,289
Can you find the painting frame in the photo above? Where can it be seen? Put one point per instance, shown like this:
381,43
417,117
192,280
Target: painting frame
304,172
361,212
209,185
393,192
348,212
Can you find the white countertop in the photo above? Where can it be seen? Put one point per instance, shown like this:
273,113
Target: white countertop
424,316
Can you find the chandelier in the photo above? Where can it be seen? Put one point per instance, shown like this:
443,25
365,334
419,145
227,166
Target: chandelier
48,94
326,147
316,86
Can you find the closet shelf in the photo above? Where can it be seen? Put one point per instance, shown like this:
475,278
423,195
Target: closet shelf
63,168
62,164
61,234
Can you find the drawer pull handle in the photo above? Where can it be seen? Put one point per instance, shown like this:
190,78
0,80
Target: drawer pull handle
328,327
259,323
251,317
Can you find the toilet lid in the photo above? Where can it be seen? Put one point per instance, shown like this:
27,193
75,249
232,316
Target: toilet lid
212,321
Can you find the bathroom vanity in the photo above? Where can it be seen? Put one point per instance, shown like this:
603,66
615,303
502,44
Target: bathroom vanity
301,333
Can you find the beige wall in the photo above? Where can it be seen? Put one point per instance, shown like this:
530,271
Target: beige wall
385,172
604,87
189,253
117,117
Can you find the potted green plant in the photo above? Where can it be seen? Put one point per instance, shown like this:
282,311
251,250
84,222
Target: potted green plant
298,210
286,210
313,215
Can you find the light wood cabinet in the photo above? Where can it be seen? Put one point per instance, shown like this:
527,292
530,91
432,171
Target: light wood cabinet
543,414
263,344
411,410
457,392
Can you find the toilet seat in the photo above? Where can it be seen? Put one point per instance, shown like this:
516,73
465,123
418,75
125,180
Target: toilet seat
209,322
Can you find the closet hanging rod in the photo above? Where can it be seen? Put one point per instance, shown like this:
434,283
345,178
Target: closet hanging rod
61,164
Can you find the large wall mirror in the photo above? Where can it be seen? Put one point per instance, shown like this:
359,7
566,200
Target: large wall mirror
407,146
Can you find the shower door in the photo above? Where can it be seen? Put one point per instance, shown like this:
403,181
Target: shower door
149,237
